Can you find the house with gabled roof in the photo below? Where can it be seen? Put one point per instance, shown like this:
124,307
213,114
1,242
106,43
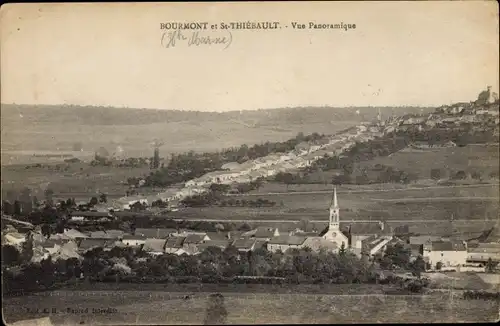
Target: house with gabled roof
173,244
262,233
112,244
107,234
90,244
155,233
448,253
284,242
192,241
154,247
371,247
196,238
214,235
244,244
316,244
133,240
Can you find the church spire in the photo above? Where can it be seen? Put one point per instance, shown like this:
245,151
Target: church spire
335,203
334,212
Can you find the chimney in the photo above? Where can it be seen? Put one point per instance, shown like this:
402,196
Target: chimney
229,235
381,225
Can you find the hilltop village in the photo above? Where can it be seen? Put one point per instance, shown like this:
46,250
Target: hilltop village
105,238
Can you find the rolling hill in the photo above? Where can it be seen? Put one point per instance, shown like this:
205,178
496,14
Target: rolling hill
56,128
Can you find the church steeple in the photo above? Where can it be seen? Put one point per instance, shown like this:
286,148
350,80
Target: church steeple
334,212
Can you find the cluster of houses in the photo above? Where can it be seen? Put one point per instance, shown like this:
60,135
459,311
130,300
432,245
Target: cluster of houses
304,155
365,240
476,112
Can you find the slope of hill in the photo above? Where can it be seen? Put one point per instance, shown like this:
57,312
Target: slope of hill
57,128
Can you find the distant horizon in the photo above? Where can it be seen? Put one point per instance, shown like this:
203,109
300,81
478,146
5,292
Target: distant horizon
228,111
419,54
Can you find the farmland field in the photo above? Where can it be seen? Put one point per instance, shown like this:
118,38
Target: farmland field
79,180
147,307
478,202
480,158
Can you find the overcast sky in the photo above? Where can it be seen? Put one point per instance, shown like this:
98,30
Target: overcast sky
419,53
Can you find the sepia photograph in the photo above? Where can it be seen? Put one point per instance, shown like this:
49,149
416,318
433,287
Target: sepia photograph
250,163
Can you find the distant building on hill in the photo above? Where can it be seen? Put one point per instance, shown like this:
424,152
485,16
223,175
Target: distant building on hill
487,97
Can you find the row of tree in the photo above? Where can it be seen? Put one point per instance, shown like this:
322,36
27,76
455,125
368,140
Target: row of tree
213,264
216,193
247,203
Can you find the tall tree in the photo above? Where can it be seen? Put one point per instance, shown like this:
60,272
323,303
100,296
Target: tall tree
418,266
103,198
17,208
342,250
93,201
490,266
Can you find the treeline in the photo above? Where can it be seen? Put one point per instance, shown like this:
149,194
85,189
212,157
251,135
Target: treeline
483,295
211,266
380,174
216,193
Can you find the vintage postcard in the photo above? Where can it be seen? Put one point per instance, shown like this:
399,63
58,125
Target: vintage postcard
250,163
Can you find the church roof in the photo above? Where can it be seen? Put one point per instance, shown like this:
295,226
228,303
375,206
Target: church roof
365,228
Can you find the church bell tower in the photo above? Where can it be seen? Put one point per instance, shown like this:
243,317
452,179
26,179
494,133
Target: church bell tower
334,213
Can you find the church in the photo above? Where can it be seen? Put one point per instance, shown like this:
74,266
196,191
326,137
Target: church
333,233
360,238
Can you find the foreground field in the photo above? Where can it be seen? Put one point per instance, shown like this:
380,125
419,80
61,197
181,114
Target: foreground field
144,307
